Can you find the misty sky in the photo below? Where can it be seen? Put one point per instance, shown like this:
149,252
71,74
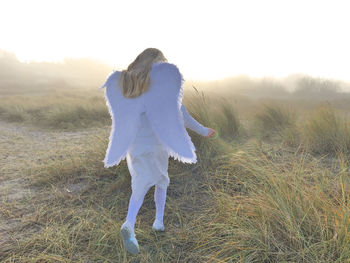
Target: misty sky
206,39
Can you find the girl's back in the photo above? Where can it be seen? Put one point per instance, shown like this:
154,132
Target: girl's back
146,140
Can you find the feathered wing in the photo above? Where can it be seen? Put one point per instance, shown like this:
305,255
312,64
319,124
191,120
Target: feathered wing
125,114
163,101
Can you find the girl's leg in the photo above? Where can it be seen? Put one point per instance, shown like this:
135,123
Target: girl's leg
134,207
159,199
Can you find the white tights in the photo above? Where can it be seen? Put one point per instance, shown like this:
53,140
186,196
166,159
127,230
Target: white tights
135,205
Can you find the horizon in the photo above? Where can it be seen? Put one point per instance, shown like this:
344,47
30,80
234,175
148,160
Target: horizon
95,62
108,64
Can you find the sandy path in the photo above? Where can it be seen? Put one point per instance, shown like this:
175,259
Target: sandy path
22,147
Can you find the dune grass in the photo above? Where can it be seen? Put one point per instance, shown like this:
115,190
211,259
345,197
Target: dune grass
233,127
286,211
63,110
274,119
246,199
326,131
216,112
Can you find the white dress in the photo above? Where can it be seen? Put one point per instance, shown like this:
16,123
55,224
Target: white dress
147,160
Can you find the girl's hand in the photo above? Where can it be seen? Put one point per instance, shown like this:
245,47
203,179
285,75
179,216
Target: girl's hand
211,133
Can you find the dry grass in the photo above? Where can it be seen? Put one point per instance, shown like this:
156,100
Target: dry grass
274,119
326,131
277,207
57,110
246,200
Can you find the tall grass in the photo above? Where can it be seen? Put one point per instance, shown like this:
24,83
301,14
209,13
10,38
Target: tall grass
230,126
275,120
327,132
291,211
217,112
213,115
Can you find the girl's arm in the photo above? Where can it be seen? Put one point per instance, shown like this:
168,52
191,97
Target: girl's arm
192,124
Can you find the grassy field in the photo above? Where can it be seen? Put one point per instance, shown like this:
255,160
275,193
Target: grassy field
273,187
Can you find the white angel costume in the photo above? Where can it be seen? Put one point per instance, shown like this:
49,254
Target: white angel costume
146,130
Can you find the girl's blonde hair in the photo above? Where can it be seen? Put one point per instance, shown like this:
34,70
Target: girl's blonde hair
135,79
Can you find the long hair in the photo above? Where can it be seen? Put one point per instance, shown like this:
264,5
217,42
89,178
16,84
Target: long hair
135,79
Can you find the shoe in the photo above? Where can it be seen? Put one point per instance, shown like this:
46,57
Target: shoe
129,238
158,226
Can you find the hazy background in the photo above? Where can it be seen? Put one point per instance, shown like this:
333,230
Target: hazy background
33,78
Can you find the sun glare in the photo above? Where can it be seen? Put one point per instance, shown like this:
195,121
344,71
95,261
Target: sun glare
206,39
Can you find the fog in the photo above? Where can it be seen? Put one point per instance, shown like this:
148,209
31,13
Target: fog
297,86
36,77
18,77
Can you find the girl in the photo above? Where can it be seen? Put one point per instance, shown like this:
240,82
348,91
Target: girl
149,120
